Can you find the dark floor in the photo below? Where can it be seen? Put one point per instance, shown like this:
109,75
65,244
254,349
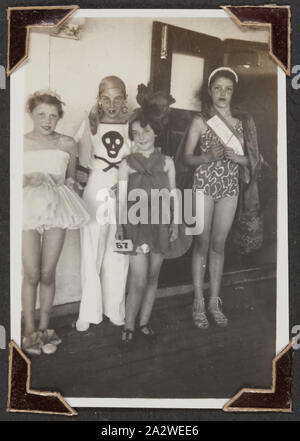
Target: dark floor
183,363
177,272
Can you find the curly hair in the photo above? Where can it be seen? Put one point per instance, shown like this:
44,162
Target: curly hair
45,98
146,96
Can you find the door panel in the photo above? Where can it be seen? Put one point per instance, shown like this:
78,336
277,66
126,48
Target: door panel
168,40
258,96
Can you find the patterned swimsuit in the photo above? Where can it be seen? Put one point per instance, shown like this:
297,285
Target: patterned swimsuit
218,179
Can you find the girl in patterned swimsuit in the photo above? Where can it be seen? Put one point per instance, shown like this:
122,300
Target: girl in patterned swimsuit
217,176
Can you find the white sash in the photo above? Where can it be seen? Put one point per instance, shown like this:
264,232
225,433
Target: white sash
225,134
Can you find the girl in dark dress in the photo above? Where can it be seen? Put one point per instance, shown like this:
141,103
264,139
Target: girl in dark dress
145,170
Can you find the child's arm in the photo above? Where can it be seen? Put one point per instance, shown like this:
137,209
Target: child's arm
82,175
171,172
121,203
84,145
238,159
69,146
173,230
198,127
84,141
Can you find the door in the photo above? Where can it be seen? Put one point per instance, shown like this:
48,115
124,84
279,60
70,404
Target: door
196,54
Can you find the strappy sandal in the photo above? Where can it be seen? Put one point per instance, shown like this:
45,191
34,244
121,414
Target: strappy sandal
199,314
215,310
149,334
127,336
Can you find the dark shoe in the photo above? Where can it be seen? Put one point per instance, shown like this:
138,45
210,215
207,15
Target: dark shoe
127,336
147,332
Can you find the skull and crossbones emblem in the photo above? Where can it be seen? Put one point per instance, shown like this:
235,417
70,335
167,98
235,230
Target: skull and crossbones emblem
113,142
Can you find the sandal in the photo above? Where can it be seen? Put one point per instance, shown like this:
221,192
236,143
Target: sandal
149,334
127,336
51,337
199,314
47,346
32,344
216,312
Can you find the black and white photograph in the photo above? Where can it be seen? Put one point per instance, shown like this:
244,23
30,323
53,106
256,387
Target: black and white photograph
149,259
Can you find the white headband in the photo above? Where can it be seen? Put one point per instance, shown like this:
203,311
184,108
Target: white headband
220,69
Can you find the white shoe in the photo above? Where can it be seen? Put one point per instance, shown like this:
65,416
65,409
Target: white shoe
49,349
82,326
116,323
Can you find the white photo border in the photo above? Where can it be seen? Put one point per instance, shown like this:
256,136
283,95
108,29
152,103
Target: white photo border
17,100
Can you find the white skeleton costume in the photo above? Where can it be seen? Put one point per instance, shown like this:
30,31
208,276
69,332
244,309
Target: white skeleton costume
103,271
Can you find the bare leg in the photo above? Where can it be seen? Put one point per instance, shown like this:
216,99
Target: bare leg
53,241
31,255
136,287
223,218
156,261
224,214
201,247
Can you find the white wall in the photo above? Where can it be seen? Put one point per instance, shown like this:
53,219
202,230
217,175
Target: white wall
73,68
119,47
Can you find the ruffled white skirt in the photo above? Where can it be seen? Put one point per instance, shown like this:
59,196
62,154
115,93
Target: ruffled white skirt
51,205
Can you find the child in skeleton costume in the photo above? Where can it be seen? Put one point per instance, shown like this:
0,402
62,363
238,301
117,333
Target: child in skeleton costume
103,143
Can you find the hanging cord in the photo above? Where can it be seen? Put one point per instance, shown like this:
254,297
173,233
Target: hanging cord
49,65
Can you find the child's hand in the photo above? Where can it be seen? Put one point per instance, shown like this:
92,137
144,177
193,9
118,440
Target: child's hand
78,188
114,188
120,233
214,154
82,176
35,179
173,232
229,154
69,182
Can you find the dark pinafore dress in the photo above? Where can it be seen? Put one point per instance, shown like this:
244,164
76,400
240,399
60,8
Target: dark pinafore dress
150,234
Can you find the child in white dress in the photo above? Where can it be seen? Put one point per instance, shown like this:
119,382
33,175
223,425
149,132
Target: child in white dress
50,206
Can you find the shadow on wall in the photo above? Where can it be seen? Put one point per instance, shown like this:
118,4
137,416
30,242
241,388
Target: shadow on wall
68,281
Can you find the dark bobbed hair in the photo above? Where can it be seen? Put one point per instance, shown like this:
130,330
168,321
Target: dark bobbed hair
44,98
223,74
203,93
144,117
